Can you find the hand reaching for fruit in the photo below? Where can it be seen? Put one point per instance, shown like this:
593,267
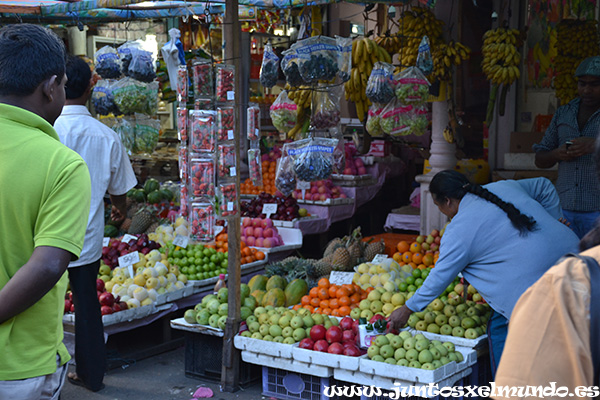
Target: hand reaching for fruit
399,317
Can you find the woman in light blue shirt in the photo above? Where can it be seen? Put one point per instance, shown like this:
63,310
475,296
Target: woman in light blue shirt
502,237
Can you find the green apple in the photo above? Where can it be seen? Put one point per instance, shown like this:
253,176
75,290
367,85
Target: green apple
278,339
254,327
223,309
409,343
399,353
437,305
214,320
376,306
284,321
307,332
274,319
422,344
405,335
297,322
412,355
433,328
372,351
435,353
246,334
355,313
334,321
429,317
268,338
190,316
436,364
471,334
467,323
222,322
443,351
386,351
403,362
449,346
414,364
390,360
286,332
461,308
480,331
471,311
412,320
449,310
327,324
259,310
459,356
256,335
264,329
441,319
299,334
364,304
396,342
421,326
452,357
275,330
428,366
308,321
425,356
454,321
398,299
368,314
251,319
202,317
317,319
444,360
245,312
458,331
263,318
289,340
381,340
446,329
378,358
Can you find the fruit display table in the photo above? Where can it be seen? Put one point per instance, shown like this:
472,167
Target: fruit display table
404,218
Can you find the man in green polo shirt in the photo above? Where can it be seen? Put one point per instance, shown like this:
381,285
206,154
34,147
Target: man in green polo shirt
44,206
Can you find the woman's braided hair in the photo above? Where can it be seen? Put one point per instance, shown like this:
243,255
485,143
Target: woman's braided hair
454,185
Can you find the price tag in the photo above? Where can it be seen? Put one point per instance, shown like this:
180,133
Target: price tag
105,242
257,132
269,209
127,237
340,278
230,134
303,185
232,171
129,259
218,229
230,95
230,206
181,241
379,258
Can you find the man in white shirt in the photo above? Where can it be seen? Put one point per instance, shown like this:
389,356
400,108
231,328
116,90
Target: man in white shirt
110,171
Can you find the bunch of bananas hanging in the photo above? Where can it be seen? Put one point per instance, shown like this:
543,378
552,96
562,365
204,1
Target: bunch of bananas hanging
577,40
302,96
412,26
501,57
390,43
365,53
445,56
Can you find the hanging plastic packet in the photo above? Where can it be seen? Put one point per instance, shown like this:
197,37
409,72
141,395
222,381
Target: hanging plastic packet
202,131
226,161
395,118
379,86
228,200
173,55
339,153
225,83
255,167
126,131
182,124
132,96
183,200
326,107
124,52
202,73
102,98
312,158
412,86
202,221
142,66
344,57
269,70
253,123
107,63
285,179
225,124
182,84
289,65
284,113
147,132
183,163
202,176
421,120
424,60
374,120
318,58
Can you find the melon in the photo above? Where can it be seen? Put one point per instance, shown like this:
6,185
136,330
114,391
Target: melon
258,282
258,295
274,297
276,281
294,292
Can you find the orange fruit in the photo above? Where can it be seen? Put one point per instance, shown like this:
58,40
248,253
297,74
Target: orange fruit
407,256
351,289
315,301
428,259
324,304
335,313
415,247
296,307
323,283
327,311
260,255
322,294
413,265
333,290
344,301
402,246
421,266
305,300
417,258
309,308
397,257
344,310
342,292
313,292
355,298
334,303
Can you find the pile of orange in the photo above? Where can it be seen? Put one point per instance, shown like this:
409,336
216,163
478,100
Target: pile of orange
334,300
413,255
269,170
248,254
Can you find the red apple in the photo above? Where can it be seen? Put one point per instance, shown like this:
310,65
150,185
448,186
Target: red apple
106,310
348,336
321,345
334,334
352,351
355,325
68,305
72,307
346,323
116,307
106,299
317,333
306,343
100,285
335,348
123,305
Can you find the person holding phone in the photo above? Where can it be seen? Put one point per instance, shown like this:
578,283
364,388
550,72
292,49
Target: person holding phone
569,141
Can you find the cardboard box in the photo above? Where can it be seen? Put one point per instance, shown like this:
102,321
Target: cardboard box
521,142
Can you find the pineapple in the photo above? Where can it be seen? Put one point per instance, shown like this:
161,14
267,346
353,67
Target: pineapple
152,227
322,267
332,246
126,224
355,251
341,260
373,249
141,221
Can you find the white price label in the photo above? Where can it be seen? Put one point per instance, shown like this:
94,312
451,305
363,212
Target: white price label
129,259
127,237
130,269
230,95
181,241
340,278
230,134
105,242
230,206
269,209
218,229
379,258
232,171
303,185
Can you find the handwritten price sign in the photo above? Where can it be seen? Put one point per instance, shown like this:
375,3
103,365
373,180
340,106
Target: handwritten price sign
269,209
341,278
181,241
105,242
379,258
129,259
127,237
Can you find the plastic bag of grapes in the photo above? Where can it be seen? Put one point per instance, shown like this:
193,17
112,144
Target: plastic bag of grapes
269,70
